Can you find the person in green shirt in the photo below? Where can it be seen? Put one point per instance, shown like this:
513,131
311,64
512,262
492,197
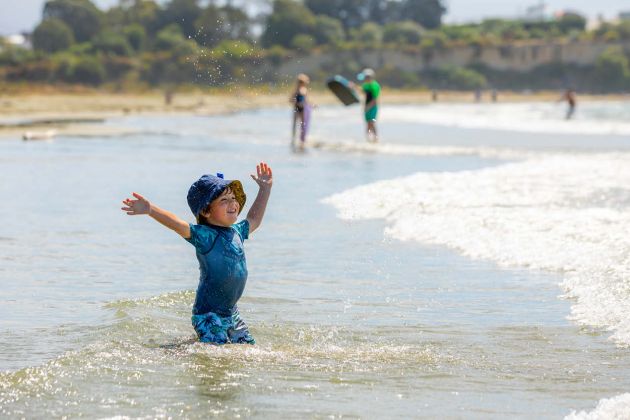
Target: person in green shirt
372,90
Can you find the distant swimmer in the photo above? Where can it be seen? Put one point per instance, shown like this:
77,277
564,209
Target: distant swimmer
571,100
477,95
371,89
494,95
301,108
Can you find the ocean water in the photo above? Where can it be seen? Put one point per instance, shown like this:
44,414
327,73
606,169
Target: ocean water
475,264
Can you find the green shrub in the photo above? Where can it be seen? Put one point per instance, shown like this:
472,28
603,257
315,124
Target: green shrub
276,54
328,30
407,32
11,56
369,33
287,20
52,35
39,71
136,36
87,70
302,42
112,43
397,78
613,70
81,16
453,77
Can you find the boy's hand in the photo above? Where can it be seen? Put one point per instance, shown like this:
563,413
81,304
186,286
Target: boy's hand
263,177
136,207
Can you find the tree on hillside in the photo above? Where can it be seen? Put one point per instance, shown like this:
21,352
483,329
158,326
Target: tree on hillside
136,35
369,33
427,13
112,43
82,16
352,13
171,39
572,21
407,32
143,12
612,69
220,23
328,30
183,13
287,19
52,35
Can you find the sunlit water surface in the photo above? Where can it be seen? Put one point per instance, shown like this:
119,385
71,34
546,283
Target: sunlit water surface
434,293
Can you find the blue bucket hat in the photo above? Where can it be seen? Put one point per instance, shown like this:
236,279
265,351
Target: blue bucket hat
207,188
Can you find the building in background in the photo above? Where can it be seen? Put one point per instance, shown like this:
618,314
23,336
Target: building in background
18,40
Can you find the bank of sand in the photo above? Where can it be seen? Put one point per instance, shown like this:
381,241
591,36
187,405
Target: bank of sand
82,114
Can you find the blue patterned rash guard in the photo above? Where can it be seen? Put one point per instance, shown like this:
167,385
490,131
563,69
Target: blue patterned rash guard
222,266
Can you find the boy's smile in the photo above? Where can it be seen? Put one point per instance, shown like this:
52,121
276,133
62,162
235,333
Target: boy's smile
223,211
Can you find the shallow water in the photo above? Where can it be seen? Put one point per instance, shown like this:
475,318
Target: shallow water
369,316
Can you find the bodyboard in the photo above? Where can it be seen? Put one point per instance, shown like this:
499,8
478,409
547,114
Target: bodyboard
341,88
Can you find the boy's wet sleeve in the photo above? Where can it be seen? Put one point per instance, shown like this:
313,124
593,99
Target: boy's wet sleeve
201,237
242,228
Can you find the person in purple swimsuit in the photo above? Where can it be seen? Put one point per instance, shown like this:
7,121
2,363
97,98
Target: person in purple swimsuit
301,108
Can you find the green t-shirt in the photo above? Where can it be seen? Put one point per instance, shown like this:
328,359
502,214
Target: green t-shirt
372,90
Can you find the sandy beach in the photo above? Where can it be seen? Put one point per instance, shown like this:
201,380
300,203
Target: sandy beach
81,113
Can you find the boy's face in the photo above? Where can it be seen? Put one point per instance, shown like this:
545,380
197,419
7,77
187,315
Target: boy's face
223,211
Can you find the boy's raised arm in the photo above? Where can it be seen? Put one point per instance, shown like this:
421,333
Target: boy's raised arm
264,179
143,206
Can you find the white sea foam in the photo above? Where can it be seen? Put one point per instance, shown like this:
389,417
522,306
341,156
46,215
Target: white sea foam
352,146
596,118
616,408
565,213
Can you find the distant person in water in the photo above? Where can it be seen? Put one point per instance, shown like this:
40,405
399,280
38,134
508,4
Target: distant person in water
571,100
301,108
477,95
372,90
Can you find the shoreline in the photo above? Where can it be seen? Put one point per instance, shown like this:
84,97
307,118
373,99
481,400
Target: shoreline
83,113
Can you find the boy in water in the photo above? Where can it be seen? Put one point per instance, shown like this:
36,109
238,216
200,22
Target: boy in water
218,241
372,90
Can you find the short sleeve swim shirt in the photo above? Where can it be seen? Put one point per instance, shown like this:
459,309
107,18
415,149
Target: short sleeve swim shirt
372,90
222,266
